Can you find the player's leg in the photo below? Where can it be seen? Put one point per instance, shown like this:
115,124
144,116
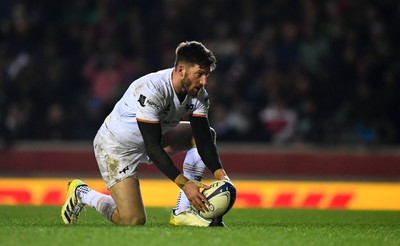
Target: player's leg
130,208
118,168
179,139
79,195
193,169
124,206
193,166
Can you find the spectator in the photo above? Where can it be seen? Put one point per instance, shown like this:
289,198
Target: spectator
280,121
316,56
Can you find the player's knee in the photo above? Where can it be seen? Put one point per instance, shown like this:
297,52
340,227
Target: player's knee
131,219
135,221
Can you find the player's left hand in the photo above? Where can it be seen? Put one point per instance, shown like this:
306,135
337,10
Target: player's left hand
220,174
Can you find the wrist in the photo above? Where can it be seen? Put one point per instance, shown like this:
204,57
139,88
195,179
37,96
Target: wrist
220,174
181,180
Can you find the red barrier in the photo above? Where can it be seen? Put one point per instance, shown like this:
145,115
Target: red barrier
310,163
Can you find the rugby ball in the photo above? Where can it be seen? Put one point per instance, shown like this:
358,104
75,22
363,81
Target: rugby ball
222,196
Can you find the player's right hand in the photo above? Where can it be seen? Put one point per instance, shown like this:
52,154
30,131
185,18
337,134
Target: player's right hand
195,197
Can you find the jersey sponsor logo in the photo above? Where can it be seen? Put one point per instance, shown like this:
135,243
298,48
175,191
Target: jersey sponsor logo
142,100
153,104
189,107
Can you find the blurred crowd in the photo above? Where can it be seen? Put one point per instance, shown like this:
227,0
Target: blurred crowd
319,72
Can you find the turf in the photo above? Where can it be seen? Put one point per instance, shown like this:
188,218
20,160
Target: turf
30,225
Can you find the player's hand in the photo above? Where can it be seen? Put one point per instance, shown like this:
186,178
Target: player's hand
220,174
196,198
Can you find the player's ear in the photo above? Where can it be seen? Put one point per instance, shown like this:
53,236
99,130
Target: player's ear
181,70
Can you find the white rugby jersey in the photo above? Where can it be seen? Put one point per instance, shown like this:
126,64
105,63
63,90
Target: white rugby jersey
151,98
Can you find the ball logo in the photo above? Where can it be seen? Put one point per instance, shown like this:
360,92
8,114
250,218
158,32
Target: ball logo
214,184
211,208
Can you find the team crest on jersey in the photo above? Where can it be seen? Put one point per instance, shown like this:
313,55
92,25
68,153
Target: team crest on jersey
142,100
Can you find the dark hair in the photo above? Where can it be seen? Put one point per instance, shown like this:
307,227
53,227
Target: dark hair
193,52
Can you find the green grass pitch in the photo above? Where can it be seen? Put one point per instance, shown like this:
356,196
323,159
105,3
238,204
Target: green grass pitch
34,225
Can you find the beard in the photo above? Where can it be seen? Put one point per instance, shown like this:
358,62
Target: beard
189,88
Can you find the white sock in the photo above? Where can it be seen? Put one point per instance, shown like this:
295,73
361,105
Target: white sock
104,204
193,169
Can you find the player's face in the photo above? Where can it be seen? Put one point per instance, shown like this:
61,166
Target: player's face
195,78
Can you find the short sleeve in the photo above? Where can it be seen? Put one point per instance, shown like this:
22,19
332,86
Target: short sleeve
148,103
203,104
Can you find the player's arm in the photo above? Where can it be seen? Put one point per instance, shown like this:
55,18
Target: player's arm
151,133
206,146
208,152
